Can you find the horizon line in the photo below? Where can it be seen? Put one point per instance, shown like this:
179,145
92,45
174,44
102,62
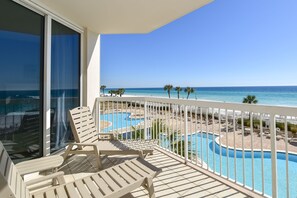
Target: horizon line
243,86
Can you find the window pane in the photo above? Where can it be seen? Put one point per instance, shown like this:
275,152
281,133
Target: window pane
21,60
65,71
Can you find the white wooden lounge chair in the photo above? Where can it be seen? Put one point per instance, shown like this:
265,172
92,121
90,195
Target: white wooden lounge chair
48,165
110,183
90,142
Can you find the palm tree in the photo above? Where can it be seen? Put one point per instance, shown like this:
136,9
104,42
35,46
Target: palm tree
178,89
121,91
250,99
178,145
137,133
102,87
158,128
168,89
115,92
189,90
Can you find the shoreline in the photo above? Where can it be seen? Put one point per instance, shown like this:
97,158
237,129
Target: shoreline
266,95
202,99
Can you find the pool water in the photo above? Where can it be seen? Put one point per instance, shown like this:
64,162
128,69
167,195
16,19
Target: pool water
119,120
207,142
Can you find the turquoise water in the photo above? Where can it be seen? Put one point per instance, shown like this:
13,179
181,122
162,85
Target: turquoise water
119,120
214,153
277,95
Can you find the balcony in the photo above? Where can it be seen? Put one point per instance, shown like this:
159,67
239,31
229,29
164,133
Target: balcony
175,180
241,149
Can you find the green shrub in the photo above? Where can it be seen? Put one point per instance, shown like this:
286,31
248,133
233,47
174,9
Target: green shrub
246,122
292,127
280,125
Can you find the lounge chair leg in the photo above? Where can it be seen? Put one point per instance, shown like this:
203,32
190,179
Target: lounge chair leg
57,180
141,155
98,159
99,163
150,187
65,155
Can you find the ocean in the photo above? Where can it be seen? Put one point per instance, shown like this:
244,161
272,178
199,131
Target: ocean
266,95
28,100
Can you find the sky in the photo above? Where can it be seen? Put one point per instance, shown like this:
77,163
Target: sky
225,43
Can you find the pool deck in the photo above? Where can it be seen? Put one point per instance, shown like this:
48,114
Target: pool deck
176,179
216,127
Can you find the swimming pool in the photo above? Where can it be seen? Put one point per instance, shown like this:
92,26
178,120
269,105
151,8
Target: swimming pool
119,120
215,165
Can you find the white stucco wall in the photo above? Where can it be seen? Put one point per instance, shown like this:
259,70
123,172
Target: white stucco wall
91,73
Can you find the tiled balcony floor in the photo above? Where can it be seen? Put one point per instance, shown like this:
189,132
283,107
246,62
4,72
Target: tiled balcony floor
175,180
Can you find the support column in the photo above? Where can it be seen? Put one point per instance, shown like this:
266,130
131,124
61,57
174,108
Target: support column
91,73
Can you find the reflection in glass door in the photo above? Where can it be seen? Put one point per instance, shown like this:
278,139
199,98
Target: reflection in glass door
65,91
21,63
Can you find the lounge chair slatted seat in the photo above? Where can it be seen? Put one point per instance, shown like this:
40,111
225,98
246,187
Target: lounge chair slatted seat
70,189
128,178
102,185
113,182
92,187
82,189
61,192
106,183
90,142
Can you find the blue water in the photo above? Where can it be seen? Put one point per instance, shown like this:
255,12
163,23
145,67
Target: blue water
281,165
119,120
26,100
272,95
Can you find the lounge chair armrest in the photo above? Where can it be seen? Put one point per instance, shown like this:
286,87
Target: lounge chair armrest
111,135
58,176
79,147
82,144
40,164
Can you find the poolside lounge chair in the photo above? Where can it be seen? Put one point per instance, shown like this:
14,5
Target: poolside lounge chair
109,183
48,165
90,142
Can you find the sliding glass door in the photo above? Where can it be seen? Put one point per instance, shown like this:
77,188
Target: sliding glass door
65,83
21,63
21,81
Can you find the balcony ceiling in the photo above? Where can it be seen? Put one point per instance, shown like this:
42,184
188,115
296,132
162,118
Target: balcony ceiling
122,16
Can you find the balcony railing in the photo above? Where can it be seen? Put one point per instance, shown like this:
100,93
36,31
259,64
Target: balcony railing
252,145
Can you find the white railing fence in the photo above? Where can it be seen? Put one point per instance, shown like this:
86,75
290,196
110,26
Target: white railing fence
252,145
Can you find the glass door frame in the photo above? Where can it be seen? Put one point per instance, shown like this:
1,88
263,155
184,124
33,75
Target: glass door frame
49,15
